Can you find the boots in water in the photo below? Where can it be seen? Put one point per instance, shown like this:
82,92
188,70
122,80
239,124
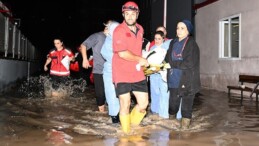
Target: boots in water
185,123
136,117
125,123
115,119
172,117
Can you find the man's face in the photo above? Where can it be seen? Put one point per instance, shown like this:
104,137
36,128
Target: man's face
130,17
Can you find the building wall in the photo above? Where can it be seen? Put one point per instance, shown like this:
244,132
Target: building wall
218,73
13,70
18,56
10,71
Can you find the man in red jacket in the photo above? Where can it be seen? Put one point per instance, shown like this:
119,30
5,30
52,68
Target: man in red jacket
127,48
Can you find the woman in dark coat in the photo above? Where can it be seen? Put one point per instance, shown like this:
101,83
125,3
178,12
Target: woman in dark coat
184,76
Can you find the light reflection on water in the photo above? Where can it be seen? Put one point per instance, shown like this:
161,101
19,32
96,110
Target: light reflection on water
27,117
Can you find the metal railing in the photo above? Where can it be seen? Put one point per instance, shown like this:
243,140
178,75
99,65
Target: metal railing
13,44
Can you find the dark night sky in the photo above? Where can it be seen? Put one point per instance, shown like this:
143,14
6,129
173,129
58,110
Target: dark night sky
74,21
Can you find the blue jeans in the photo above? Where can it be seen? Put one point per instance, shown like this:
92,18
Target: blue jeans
159,95
110,94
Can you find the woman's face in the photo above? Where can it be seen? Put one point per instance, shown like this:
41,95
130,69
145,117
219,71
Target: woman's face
181,31
158,39
58,44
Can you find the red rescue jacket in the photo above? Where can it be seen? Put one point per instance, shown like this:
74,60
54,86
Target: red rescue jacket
57,68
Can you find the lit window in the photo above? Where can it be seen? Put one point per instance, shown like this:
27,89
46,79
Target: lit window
230,37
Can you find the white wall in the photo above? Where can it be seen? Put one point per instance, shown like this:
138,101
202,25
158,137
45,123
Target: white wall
218,73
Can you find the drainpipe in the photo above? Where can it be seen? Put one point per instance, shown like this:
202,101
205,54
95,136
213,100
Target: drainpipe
6,39
14,41
165,9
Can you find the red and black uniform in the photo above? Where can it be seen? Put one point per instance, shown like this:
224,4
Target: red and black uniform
57,68
59,73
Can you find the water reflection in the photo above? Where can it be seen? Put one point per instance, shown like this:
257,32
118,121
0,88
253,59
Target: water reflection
26,116
160,138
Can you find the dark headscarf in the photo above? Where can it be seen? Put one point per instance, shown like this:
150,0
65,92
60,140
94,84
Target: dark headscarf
188,25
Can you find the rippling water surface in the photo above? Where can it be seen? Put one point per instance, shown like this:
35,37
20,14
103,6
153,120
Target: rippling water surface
28,118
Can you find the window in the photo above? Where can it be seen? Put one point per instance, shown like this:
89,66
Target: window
229,37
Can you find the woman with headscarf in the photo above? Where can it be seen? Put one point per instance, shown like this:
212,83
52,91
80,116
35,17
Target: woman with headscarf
184,76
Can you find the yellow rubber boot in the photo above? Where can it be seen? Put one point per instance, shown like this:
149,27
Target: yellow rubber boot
125,123
136,117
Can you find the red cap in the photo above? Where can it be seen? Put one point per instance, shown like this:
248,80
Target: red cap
130,6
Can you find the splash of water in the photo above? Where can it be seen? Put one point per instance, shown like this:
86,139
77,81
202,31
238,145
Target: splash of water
40,86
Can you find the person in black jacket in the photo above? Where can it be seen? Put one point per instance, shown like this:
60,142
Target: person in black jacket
183,77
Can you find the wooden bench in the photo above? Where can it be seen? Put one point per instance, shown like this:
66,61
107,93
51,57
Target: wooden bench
246,79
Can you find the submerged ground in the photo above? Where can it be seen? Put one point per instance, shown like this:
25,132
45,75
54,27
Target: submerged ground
28,118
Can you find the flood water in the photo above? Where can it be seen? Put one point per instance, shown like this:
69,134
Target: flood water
28,118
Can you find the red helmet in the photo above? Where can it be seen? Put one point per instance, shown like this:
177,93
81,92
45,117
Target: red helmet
130,6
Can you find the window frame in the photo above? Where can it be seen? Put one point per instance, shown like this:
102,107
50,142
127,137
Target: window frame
221,38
